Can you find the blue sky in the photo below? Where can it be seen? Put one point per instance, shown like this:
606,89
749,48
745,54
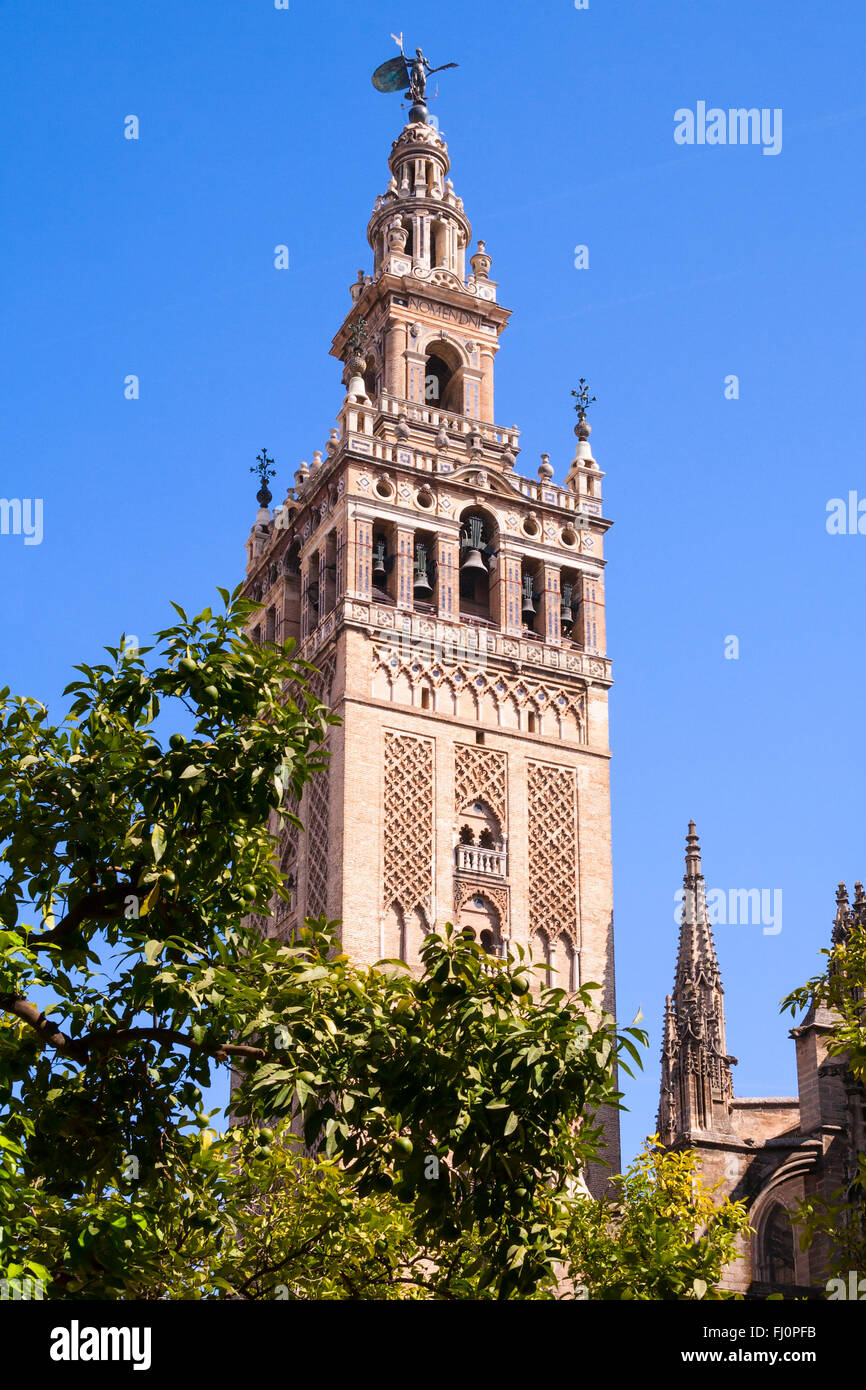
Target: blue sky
259,127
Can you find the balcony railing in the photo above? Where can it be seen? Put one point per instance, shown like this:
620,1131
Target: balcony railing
476,859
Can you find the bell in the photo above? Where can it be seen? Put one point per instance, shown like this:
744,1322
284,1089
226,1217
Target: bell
528,609
380,574
474,562
422,588
566,616
472,542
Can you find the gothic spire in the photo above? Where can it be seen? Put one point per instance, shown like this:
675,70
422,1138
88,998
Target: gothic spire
696,1070
697,960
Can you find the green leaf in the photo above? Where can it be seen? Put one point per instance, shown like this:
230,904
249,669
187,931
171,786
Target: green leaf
157,840
149,901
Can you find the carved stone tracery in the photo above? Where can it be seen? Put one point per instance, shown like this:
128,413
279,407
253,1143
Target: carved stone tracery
480,775
408,824
552,850
318,843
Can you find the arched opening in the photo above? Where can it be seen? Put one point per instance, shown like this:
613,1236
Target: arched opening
571,607
373,378
531,595
480,917
329,578
567,957
416,930
480,841
440,245
443,377
383,574
542,959
314,596
410,236
424,574
478,553
291,571
394,936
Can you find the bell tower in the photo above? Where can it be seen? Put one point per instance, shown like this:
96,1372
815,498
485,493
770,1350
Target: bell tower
454,610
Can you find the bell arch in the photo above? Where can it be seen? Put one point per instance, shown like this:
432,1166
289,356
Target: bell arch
443,375
479,549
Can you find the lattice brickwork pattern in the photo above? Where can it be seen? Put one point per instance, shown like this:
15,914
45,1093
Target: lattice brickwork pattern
408,823
479,775
318,859
552,850
289,842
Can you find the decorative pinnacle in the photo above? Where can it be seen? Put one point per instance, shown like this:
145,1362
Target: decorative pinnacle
693,852
262,467
584,399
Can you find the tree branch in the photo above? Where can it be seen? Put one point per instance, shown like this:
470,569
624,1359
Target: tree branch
78,1049
103,902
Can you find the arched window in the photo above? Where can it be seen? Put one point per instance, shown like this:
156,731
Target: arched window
480,917
778,1246
480,841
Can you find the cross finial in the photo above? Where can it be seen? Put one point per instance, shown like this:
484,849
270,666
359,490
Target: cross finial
583,399
262,467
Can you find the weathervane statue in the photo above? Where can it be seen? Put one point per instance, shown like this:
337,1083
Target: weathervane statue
398,74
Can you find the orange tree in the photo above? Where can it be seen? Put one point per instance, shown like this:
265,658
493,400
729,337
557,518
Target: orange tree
138,859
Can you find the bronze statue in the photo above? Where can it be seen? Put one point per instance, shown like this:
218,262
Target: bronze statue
400,74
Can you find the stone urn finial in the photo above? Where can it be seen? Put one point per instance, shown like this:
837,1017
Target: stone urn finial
481,262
